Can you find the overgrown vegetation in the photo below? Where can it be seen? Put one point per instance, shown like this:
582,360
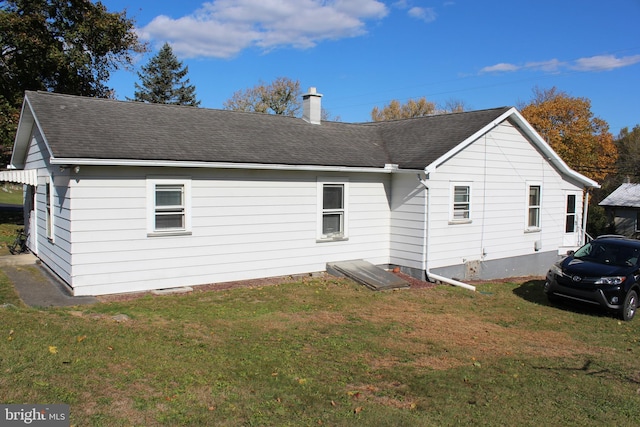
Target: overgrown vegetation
325,352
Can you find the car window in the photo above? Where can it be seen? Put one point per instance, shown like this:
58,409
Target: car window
585,252
609,254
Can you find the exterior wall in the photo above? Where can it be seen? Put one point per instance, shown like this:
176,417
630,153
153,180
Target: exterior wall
408,222
625,221
56,252
245,224
498,167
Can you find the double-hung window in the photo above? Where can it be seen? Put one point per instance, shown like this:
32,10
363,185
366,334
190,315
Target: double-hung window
332,212
570,225
170,211
49,206
169,206
461,203
533,206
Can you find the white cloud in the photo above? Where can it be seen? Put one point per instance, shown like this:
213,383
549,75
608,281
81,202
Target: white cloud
500,68
223,28
550,66
604,63
426,14
593,63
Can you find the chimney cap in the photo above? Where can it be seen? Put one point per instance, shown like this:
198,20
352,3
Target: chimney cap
312,92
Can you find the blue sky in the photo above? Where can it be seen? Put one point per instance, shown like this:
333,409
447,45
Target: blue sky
365,53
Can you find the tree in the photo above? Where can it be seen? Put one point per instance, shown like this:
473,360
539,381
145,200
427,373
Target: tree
568,125
396,111
415,108
65,46
282,96
628,144
162,81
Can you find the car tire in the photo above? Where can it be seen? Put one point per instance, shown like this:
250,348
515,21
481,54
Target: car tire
630,306
552,298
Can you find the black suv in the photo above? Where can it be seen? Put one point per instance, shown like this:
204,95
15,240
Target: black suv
605,272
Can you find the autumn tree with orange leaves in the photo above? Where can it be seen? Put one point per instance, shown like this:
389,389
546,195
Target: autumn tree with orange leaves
568,125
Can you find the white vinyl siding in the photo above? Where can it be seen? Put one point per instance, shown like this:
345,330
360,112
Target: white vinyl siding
408,221
500,167
244,225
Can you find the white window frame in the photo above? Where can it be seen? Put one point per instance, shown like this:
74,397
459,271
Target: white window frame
452,205
152,209
344,211
528,207
49,216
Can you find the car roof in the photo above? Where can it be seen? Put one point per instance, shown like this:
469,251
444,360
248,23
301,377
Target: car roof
610,238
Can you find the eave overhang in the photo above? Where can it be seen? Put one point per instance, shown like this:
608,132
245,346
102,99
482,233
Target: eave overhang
71,162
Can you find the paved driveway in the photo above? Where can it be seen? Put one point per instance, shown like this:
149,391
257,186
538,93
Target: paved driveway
36,286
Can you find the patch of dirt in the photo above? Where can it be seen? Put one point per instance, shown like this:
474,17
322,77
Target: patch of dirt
390,395
213,287
255,283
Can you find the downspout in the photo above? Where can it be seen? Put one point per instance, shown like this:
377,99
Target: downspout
425,243
585,212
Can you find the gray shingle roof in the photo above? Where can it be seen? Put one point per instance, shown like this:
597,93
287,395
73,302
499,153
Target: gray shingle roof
627,195
91,128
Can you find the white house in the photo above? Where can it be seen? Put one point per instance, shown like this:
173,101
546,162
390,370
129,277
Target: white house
127,196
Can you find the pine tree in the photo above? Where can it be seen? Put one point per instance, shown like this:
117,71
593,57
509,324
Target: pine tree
162,81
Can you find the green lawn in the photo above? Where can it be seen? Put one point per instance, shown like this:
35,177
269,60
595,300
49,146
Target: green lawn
11,194
325,352
10,219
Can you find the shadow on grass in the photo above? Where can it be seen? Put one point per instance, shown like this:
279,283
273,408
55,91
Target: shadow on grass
531,291
592,369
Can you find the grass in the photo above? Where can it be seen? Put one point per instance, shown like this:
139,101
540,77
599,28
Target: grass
10,219
325,352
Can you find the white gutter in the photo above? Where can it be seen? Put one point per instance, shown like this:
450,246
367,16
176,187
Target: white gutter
388,168
425,250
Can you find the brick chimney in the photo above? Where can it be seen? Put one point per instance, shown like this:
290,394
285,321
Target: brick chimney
312,110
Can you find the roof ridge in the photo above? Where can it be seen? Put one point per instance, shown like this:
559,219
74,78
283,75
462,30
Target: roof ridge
150,104
445,114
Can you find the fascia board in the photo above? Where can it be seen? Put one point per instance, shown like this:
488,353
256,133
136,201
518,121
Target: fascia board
464,144
534,136
23,135
210,165
550,154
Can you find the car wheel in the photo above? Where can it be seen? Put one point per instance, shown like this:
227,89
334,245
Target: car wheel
630,305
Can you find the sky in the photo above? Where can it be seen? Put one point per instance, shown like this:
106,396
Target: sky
362,54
